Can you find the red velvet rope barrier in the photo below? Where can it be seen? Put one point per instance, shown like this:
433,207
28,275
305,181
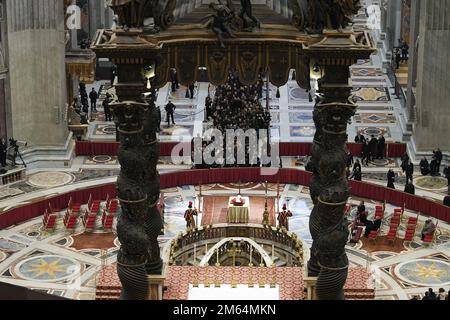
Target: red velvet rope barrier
292,149
229,175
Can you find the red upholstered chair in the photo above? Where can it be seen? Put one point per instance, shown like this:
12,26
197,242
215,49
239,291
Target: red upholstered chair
428,239
392,234
113,206
409,234
357,235
49,220
373,235
71,221
412,221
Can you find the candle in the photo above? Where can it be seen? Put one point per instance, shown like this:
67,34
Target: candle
273,252
261,260
217,255
206,248
195,253
251,249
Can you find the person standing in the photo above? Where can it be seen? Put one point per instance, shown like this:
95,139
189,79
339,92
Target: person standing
360,138
93,96
391,179
106,109
438,155
424,167
398,58
405,49
365,153
434,169
409,188
174,79
191,90
357,175
373,145
3,149
189,216
409,170
170,108
380,147
349,159
283,218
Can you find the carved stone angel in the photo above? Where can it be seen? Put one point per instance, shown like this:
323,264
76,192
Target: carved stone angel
130,13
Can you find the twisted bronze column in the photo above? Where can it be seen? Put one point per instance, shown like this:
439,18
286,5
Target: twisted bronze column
139,224
329,186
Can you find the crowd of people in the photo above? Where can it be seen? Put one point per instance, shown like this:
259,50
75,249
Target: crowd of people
237,106
431,295
372,148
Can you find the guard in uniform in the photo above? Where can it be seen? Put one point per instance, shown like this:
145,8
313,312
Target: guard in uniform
189,216
283,217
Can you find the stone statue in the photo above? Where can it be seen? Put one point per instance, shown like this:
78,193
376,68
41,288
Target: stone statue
130,13
220,21
313,16
151,15
246,13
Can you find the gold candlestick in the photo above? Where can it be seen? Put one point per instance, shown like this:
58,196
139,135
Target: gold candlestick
250,278
207,284
195,279
262,280
274,277
217,281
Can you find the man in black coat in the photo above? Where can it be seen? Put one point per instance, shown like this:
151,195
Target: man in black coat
373,145
438,155
409,188
447,173
3,149
93,96
434,169
349,159
170,108
191,90
360,138
106,109
380,147
357,175
424,167
365,153
409,170
391,179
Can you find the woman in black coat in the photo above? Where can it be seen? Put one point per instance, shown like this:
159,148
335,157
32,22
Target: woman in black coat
391,179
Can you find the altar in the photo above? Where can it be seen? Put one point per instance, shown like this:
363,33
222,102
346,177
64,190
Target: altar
238,213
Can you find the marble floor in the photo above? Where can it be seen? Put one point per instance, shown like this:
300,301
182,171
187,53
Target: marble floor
66,263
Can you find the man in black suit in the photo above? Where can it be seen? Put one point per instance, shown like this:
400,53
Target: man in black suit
93,96
424,167
380,147
191,90
170,108
409,170
3,149
391,179
373,146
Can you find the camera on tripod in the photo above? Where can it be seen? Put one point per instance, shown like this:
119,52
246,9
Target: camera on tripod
13,150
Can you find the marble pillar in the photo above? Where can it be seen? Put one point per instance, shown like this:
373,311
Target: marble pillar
432,128
37,75
412,62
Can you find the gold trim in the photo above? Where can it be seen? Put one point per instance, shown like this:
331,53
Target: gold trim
331,204
133,201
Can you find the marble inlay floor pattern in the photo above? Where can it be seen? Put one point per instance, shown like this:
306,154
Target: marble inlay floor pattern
50,179
371,94
374,118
